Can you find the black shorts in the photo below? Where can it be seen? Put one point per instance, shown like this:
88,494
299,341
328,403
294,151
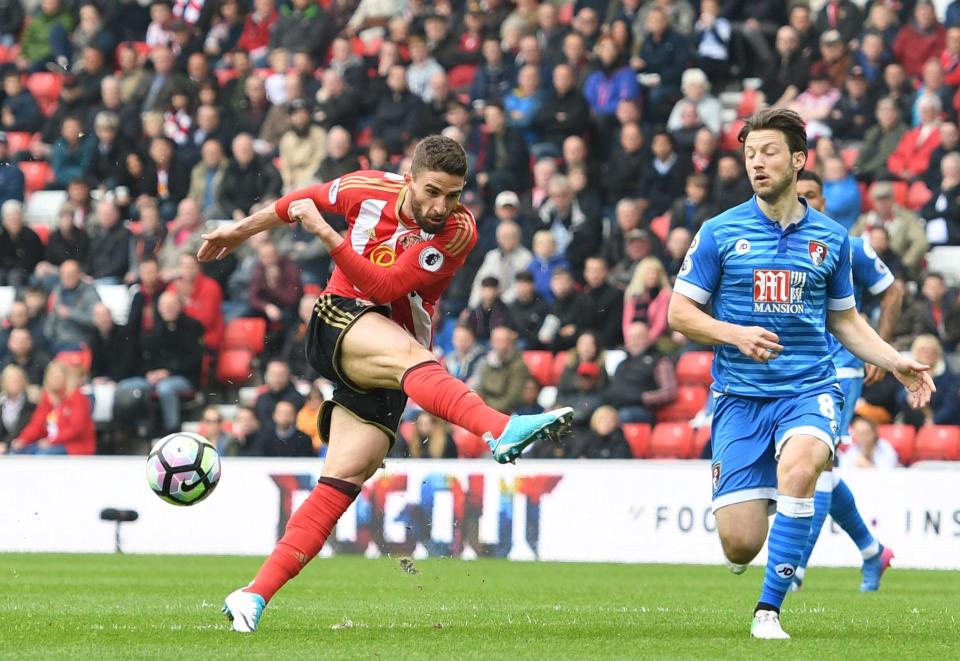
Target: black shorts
332,317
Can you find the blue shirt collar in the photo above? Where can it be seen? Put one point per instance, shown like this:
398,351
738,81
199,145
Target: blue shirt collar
757,210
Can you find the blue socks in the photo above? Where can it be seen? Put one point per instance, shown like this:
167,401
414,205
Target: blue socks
844,512
786,542
822,498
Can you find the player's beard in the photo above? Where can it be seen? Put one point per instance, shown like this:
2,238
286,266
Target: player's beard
772,194
426,223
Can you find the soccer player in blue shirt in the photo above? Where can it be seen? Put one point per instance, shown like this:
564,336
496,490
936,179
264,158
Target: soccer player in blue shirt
777,275
832,494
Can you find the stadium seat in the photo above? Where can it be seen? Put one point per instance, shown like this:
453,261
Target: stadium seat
234,366
45,87
661,226
7,296
224,76
469,446
20,140
701,437
866,202
902,438
937,443
693,368
461,76
638,437
9,53
671,440
900,191
849,156
811,160
43,206
371,47
36,174
918,195
689,402
559,363
246,333
728,139
42,230
540,364
946,261
82,357
565,15
117,299
748,102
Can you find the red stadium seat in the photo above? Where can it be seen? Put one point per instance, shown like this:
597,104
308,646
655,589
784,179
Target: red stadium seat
246,333
82,357
364,137
693,368
234,366
938,442
900,191
748,103
469,446
671,440
224,76
540,364
902,438
20,140
638,437
559,363
43,231
918,195
849,156
866,202
728,139
461,76
312,289
811,159
9,53
371,47
689,402
661,226
36,174
701,437
565,15
407,430
45,87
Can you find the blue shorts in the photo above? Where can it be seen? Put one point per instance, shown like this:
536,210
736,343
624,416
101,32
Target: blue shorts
748,433
852,389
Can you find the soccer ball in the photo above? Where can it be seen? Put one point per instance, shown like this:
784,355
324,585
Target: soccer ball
183,468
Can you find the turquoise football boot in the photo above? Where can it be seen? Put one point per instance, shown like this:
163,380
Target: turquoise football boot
523,430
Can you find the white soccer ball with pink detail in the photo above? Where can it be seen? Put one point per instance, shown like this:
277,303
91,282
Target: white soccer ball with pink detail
183,468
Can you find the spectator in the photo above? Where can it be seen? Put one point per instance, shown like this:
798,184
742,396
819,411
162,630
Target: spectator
638,245
61,423
942,212
206,179
11,177
944,406
677,245
815,103
646,299
611,82
19,317
421,69
72,154
692,210
429,439
489,312
114,349
495,76
842,193
622,172
576,56
46,30
307,418
605,440
604,303
528,312
588,351
109,154
166,177
834,57
788,71
20,111
70,321
249,182
22,353
696,90
502,373
585,396
897,86
11,21
257,28
212,429
301,27
879,239
920,40
529,397
868,450
145,295
663,57
568,313
939,313
292,352
662,178
301,148
340,159
20,247
523,103
907,237
644,381
278,386
172,353
577,235
152,241
396,118
854,111
949,141
872,57
281,438
712,39
879,142
109,246
730,187
467,353
336,102
199,297
502,159
503,263
275,286
158,88
564,111
16,409
245,434
841,15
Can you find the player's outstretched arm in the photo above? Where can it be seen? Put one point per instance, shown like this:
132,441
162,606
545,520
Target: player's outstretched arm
686,316
864,343
891,300
221,242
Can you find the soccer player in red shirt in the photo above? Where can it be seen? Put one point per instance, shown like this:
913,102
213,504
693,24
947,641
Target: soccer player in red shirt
371,335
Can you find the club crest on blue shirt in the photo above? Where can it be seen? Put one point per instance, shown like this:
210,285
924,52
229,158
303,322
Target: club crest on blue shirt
818,252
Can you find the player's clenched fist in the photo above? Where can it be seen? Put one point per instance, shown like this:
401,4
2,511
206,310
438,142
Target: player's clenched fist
758,343
306,213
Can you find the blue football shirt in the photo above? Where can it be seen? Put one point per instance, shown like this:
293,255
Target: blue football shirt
870,274
756,273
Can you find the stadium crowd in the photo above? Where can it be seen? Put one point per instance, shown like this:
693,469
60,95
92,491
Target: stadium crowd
600,134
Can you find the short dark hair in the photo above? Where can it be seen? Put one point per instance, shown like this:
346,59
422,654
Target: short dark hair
786,121
810,175
490,281
438,153
524,276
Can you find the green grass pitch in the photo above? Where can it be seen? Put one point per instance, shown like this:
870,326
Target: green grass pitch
101,606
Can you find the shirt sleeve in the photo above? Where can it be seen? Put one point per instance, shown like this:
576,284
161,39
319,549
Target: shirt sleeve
840,282
326,196
869,271
699,274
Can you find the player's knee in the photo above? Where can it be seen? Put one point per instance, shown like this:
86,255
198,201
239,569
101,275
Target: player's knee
741,546
412,354
798,479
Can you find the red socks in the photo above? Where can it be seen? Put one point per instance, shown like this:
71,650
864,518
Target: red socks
446,397
306,532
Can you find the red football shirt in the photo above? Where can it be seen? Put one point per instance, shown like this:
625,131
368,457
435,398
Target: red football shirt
387,258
